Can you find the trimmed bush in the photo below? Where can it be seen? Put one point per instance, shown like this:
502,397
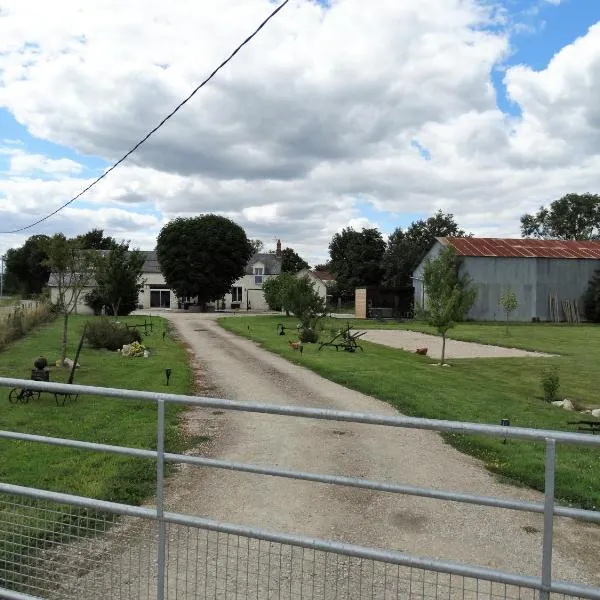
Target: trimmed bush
550,380
105,333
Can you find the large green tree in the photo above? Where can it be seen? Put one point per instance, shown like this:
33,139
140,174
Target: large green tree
96,240
406,248
572,217
449,294
73,269
25,269
118,280
356,258
291,261
201,257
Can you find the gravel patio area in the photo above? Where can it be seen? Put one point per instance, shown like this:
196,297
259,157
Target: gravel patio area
411,340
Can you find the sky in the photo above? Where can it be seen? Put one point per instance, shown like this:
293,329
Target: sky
340,113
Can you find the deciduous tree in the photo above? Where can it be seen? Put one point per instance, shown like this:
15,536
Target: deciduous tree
118,280
449,295
572,217
509,303
356,258
406,249
72,270
25,268
291,261
201,257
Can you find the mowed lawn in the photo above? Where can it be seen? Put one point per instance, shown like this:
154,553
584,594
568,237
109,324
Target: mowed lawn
476,390
90,418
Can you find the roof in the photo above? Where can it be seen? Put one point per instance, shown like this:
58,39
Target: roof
523,248
151,264
270,260
323,275
53,280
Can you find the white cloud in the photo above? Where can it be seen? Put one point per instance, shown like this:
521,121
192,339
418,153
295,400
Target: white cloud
320,110
22,163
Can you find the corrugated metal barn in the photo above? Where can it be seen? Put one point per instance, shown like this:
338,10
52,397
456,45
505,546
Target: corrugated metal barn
542,273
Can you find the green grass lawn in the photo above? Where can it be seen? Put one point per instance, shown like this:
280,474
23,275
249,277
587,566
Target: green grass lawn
476,390
90,418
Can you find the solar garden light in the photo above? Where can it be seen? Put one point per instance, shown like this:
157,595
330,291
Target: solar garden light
505,423
168,375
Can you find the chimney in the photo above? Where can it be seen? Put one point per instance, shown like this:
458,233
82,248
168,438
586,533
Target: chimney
278,250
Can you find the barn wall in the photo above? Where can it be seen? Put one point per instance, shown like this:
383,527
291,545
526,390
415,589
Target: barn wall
532,279
419,294
565,278
492,276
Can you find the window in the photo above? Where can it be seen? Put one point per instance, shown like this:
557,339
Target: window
236,294
258,275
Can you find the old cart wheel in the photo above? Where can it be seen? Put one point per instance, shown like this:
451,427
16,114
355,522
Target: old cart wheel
14,396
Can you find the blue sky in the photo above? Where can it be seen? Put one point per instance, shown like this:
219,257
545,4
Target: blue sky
540,28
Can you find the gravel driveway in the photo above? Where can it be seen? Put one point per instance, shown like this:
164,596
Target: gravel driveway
411,340
236,368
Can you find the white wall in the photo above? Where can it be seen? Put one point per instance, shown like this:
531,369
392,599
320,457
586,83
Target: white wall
81,308
319,284
150,280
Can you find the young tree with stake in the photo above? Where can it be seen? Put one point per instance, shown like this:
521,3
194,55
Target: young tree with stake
72,270
510,303
448,295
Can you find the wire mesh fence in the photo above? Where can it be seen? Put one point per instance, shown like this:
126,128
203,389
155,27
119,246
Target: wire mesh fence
62,552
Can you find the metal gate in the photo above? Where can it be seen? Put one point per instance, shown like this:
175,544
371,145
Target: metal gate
94,549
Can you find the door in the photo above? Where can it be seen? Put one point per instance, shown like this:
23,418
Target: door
154,298
160,299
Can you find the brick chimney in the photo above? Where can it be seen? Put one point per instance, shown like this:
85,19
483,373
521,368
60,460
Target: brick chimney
278,248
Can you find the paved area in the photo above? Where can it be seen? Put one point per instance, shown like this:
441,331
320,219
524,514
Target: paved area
236,368
411,340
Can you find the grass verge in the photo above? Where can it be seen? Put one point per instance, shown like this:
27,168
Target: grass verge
95,419
475,390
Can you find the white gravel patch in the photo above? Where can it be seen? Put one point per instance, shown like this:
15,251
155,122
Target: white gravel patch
411,340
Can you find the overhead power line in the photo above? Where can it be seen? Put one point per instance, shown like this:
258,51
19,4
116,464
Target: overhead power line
155,129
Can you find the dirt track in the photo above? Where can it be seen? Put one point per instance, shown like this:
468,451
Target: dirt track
236,368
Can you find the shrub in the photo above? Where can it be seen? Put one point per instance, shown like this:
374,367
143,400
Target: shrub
550,379
105,333
308,335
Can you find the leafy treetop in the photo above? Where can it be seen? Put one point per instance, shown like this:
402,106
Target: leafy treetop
201,257
405,249
291,262
356,258
572,217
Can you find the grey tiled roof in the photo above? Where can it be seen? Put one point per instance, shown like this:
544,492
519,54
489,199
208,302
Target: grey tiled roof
151,264
271,261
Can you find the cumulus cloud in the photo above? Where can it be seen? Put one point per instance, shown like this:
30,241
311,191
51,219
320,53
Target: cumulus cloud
321,110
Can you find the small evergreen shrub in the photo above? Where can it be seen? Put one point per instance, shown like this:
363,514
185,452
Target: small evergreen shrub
105,333
550,379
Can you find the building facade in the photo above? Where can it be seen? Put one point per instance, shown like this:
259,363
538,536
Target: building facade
542,273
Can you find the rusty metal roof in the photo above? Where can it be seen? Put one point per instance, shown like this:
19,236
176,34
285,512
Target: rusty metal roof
523,248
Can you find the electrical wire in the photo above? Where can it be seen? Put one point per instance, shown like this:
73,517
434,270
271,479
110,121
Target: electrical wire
155,129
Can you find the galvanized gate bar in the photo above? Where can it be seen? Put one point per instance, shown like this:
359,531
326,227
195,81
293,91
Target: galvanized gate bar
451,496
523,433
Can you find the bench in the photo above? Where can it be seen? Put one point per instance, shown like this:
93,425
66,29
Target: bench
592,427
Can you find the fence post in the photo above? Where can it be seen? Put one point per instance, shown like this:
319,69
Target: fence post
160,500
550,469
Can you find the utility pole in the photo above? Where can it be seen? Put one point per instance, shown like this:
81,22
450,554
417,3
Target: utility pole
2,277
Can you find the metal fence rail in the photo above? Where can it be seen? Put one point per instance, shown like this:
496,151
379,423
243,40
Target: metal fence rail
77,558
